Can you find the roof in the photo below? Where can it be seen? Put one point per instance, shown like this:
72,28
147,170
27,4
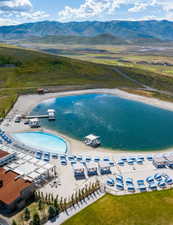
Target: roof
3,154
104,164
78,166
11,188
91,137
91,165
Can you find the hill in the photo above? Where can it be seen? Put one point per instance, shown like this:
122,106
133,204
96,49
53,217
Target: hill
126,30
23,71
102,39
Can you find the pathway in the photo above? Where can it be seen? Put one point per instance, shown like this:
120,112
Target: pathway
74,210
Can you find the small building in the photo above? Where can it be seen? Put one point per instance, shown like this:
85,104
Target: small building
159,161
14,191
169,159
6,157
51,114
17,118
92,168
40,91
104,167
34,123
92,140
79,170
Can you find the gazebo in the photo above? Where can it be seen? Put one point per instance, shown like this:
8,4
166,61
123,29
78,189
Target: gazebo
92,140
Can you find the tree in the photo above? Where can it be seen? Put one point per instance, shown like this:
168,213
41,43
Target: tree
26,214
36,219
14,222
51,212
40,205
56,205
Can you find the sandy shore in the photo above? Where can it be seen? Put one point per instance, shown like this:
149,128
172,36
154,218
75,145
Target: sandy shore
26,103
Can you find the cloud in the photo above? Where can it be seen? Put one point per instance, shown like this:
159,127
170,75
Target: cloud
19,11
15,5
114,9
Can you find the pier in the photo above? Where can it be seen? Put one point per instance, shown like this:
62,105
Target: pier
51,115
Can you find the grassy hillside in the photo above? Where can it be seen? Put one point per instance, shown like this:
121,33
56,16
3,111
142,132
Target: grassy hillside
22,71
154,208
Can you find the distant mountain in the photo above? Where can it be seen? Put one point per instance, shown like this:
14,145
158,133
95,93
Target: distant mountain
106,39
119,30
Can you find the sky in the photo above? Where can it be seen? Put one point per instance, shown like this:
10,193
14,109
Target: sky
23,11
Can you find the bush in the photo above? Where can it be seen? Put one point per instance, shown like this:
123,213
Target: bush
52,212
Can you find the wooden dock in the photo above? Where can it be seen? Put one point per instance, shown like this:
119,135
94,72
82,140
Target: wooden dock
37,116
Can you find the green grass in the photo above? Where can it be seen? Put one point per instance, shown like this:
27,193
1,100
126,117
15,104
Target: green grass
153,208
33,69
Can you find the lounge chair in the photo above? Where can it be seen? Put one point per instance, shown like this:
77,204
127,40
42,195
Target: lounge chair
110,182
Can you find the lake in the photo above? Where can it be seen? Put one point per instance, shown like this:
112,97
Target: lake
121,123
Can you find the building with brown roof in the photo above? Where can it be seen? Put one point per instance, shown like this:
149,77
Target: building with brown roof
14,191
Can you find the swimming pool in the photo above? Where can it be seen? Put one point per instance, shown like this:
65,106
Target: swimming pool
42,141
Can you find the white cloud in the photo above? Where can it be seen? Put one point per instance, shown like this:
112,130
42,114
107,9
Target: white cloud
96,9
15,5
19,11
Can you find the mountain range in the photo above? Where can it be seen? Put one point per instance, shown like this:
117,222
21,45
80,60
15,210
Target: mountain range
116,31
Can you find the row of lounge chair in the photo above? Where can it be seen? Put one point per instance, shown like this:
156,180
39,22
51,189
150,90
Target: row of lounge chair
131,160
5,137
151,183
45,156
122,161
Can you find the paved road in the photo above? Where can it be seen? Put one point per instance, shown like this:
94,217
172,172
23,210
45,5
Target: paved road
143,86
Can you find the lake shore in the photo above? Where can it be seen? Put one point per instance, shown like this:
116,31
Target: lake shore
26,103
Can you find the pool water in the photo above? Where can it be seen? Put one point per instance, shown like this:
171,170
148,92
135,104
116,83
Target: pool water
42,141
121,123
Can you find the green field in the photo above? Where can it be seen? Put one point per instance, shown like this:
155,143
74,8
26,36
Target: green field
153,208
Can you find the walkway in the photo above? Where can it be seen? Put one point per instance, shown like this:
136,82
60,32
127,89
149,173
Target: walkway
74,210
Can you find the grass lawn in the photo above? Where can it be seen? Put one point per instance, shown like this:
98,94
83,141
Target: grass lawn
153,208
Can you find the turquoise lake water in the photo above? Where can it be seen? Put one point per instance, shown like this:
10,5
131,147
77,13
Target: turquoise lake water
121,123
42,141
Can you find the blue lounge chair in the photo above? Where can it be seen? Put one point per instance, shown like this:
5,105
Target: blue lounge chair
149,157
139,161
121,163
71,157
38,155
63,162
169,181
111,163
46,156
88,158
161,184
152,186
120,186
131,188
158,177
62,157
124,158
129,181
119,178
79,158
96,159
132,158
150,179
106,159
130,162
110,182
141,157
